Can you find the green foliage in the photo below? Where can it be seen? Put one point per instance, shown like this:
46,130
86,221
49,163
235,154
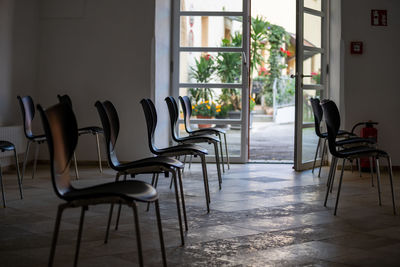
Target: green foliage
202,73
259,28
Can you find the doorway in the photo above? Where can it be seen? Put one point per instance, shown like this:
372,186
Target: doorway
245,89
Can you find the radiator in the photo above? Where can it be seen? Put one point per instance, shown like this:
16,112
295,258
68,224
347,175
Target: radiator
15,135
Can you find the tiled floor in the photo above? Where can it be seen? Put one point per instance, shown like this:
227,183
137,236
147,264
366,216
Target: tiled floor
265,215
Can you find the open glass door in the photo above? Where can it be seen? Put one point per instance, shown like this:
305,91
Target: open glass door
210,55
311,74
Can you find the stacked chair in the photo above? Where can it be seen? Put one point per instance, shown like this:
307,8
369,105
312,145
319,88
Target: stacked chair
110,121
187,113
173,151
332,118
347,138
28,114
192,139
93,130
61,133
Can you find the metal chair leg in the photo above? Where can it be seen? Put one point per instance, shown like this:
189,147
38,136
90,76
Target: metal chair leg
78,241
2,188
218,165
190,161
18,174
222,154
330,180
110,214
119,210
76,167
359,166
378,180
316,153
184,163
339,187
153,179
322,159
160,232
99,153
205,179
371,167
55,234
28,145
182,199
178,207
391,183
226,152
138,237
35,160
333,175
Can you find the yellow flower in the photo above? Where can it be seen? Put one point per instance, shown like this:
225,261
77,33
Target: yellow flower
219,106
193,107
208,107
218,110
252,99
206,101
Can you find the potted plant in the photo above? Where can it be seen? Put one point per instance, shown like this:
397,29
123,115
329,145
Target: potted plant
205,110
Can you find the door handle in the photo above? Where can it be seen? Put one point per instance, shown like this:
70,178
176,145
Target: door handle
294,75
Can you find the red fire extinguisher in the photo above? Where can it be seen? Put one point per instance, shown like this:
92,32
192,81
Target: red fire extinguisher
372,133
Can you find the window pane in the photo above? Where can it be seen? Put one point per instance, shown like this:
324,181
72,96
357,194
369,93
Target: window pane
204,31
313,4
233,133
312,68
310,141
308,115
221,67
211,5
312,30
214,103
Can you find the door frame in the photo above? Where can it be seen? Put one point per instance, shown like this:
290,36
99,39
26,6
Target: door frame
299,165
244,86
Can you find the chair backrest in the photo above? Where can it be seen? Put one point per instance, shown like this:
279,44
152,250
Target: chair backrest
332,119
173,116
65,99
150,114
318,114
187,112
28,113
61,131
110,121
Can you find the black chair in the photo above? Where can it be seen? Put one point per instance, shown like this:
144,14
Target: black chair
28,114
4,147
332,118
173,151
194,139
110,121
62,135
187,113
351,138
93,130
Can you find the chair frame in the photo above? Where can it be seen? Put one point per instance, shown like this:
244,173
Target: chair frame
110,121
332,119
62,141
187,114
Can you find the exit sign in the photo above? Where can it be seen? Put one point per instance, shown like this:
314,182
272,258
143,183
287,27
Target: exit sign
378,17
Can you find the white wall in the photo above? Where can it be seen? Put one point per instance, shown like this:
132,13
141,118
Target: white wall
371,85
98,50
6,23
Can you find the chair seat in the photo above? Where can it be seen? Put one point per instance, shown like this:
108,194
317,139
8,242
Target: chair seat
165,162
198,139
38,138
128,190
341,132
184,149
361,151
90,130
6,146
355,140
208,131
